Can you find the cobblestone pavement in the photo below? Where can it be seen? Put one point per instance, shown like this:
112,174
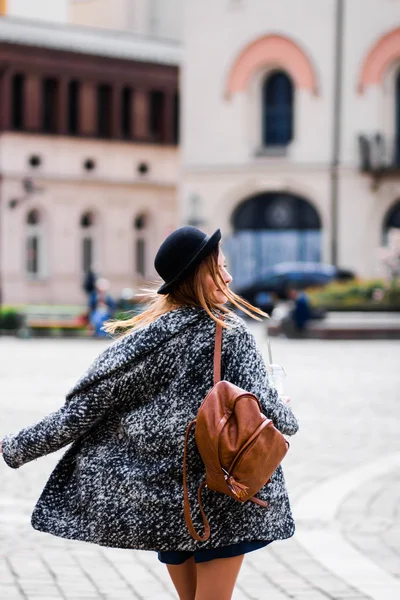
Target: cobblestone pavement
345,395
370,519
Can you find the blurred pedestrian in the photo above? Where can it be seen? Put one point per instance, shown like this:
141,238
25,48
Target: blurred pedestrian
89,286
102,306
120,484
302,311
89,282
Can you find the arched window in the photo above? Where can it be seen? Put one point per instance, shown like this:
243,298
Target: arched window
271,228
140,244
88,228
277,110
34,244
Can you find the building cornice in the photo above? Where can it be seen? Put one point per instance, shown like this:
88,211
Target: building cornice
98,42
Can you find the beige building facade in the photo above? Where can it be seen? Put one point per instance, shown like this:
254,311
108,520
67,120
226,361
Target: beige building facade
111,219
265,100
154,18
289,136
88,159
150,18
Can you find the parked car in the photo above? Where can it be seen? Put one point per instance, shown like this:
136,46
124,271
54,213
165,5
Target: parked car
283,277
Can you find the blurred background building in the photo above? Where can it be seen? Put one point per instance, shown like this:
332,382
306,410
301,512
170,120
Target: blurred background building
289,132
291,128
88,145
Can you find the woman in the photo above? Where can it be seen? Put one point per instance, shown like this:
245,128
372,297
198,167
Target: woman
120,482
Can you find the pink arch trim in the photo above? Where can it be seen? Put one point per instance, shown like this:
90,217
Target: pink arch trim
379,58
274,50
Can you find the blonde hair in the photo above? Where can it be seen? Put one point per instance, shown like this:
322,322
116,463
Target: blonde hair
190,292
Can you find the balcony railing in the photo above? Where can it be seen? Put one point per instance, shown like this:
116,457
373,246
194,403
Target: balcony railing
378,155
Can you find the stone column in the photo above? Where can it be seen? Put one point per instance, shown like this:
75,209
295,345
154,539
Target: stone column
5,100
176,117
132,131
88,109
33,103
168,118
141,113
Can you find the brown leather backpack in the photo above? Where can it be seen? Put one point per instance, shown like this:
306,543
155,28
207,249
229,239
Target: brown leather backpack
239,446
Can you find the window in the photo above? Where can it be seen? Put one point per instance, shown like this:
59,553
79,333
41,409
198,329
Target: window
157,108
140,222
270,228
49,105
73,107
33,255
17,101
140,226
87,254
277,110
34,244
140,256
88,230
104,110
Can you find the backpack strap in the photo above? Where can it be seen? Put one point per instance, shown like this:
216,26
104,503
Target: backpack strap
186,505
217,378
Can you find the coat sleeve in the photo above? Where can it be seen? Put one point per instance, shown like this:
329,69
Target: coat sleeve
244,366
79,414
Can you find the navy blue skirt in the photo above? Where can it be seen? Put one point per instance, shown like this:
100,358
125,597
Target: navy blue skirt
177,557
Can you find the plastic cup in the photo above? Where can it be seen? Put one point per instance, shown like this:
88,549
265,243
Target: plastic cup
278,378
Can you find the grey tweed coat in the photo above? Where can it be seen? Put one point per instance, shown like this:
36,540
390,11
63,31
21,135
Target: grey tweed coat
120,482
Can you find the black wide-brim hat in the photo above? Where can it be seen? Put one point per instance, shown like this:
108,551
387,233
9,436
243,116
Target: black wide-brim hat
180,253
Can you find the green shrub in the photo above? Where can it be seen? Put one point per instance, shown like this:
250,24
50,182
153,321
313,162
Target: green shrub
393,296
356,294
10,318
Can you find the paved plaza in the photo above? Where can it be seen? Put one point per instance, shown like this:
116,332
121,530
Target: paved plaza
342,472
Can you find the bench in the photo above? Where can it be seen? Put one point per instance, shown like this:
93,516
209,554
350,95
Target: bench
55,319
